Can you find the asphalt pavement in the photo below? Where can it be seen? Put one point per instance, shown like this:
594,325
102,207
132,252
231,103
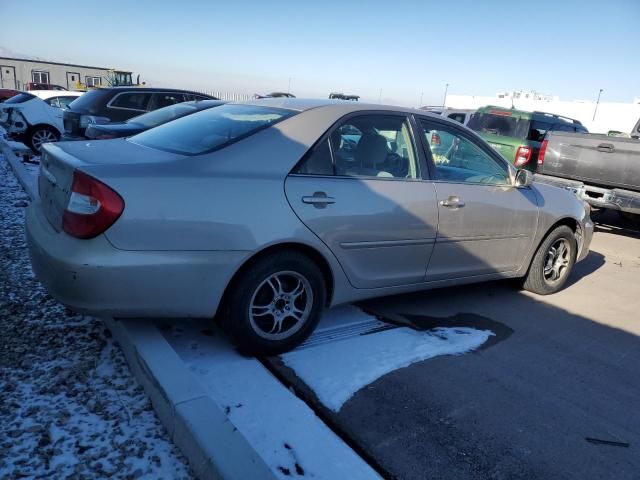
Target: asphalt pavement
553,394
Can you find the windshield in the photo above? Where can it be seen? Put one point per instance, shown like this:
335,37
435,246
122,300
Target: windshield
20,98
498,124
163,115
210,129
88,100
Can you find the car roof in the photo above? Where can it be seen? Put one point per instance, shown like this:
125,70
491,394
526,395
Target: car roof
302,104
535,115
44,94
148,89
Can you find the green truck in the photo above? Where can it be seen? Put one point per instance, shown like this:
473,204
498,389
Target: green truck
517,135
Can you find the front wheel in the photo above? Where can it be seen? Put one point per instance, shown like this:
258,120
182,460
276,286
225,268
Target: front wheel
40,135
275,304
553,262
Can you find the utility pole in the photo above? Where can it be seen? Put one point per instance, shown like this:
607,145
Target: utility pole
289,86
597,102
421,95
444,100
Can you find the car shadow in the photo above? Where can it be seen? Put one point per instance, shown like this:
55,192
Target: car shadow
610,221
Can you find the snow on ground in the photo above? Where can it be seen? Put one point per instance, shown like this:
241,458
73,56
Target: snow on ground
337,369
69,406
282,429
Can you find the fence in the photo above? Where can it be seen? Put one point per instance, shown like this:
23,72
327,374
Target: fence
228,96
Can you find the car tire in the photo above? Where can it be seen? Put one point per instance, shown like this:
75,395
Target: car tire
41,134
552,262
275,304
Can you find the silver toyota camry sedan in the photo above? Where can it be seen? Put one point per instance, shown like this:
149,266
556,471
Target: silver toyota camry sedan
262,214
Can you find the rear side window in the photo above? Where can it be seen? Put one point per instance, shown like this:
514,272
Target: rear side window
20,98
165,99
538,130
458,117
131,101
210,129
502,124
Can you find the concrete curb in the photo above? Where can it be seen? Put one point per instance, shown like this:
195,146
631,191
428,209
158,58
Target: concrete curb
28,182
198,426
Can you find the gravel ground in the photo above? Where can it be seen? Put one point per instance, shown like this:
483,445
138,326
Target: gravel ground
69,406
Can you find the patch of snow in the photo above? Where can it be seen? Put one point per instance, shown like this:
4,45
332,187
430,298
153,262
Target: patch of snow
282,428
336,370
69,405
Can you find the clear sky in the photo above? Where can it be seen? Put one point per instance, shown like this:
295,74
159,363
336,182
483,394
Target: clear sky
403,48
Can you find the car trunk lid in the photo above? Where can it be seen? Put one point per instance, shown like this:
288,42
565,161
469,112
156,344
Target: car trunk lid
60,160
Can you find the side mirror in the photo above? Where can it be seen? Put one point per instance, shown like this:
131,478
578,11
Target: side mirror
524,178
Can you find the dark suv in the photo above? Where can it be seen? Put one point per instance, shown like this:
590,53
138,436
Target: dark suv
117,104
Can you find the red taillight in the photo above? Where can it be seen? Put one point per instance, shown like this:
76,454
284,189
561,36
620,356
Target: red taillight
435,139
93,207
543,151
523,155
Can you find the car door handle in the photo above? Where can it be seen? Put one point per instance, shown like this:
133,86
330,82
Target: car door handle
452,202
606,147
319,200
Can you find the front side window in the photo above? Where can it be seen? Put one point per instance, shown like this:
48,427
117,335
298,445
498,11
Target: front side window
165,99
39,77
538,130
211,129
458,158
131,101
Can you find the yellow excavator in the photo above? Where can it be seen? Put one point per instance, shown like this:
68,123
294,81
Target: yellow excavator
115,78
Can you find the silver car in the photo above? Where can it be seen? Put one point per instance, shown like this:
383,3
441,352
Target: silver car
262,214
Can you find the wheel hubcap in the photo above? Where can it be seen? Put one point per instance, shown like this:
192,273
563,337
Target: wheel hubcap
42,136
557,261
281,305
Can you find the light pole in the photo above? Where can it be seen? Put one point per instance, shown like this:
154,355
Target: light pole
421,95
289,86
597,102
444,100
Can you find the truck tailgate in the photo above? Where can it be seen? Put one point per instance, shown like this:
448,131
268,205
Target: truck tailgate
593,159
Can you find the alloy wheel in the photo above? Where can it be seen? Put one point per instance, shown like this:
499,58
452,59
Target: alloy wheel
557,261
281,305
40,137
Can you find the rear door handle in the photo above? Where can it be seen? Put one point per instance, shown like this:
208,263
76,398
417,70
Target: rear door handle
319,200
605,147
452,202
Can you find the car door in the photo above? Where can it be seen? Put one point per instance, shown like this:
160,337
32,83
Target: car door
359,189
486,225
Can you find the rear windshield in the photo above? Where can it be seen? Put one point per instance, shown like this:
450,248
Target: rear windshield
88,100
503,125
20,98
210,129
164,115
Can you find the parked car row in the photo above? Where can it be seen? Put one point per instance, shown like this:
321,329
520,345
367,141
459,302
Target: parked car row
40,116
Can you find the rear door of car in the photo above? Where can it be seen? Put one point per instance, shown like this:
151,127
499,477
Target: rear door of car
486,225
128,104
360,190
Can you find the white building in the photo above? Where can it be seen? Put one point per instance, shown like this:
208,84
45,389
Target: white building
608,116
15,73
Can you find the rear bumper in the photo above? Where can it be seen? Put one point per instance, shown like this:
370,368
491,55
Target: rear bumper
92,276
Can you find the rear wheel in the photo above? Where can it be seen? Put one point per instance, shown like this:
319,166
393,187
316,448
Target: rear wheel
553,262
275,304
41,134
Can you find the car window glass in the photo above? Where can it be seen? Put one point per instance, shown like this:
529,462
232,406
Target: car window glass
133,100
537,130
498,122
318,161
459,159
54,102
165,99
458,117
374,146
211,129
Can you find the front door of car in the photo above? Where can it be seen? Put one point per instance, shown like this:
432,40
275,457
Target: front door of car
486,225
359,190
